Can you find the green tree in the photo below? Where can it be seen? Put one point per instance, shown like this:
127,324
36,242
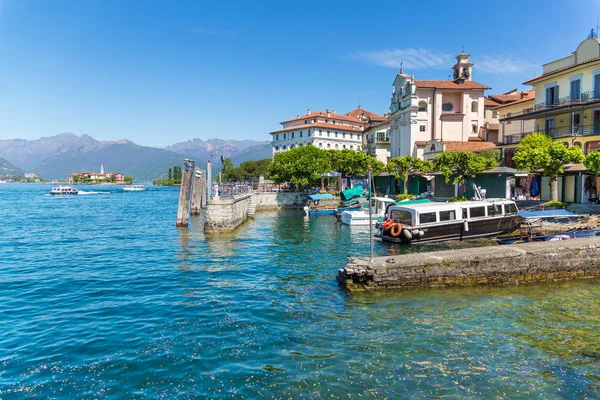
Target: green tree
76,178
226,168
592,162
353,163
128,179
403,166
170,176
301,165
461,165
538,152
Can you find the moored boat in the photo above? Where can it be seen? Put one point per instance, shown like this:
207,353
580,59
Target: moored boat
134,188
63,190
361,216
437,222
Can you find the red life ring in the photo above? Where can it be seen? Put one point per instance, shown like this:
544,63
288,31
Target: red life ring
387,224
316,202
396,229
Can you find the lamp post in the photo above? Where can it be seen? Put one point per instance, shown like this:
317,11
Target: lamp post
370,175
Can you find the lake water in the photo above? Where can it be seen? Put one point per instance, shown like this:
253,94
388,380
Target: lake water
102,297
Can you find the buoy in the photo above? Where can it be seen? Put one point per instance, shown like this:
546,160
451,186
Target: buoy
396,229
407,234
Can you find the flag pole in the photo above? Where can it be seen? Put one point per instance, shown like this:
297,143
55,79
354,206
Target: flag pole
370,212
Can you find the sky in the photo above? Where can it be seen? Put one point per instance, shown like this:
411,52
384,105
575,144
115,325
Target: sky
161,72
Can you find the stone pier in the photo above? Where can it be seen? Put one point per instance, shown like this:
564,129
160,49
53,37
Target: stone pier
225,214
494,265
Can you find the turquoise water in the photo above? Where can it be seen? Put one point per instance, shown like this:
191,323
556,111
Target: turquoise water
102,297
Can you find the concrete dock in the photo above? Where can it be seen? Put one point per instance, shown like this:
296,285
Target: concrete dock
494,265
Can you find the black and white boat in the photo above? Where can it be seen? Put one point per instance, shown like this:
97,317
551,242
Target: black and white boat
63,191
437,222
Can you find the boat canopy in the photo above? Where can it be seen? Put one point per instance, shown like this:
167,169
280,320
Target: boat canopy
547,214
320,196
409,202
356,191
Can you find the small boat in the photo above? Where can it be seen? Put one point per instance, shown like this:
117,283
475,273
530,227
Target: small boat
533,227
315,207
438,222
361,217
63,190
134,188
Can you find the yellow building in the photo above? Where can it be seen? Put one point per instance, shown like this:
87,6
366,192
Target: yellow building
567,108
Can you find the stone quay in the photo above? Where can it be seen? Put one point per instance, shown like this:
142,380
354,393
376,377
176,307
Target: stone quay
493,265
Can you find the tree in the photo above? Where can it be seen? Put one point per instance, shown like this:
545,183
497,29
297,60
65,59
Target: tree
227,166
403,166
170,174
353,163
128,179
76,178
301,165
538,152
592,162
461,165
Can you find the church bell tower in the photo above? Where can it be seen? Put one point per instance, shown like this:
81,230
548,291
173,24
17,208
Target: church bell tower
463,69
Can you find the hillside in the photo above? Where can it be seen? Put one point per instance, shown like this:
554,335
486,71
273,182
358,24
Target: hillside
237,150
9,169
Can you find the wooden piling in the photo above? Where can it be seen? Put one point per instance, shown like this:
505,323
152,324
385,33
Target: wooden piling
183,208
198,193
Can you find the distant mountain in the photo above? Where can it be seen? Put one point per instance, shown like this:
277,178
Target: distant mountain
57,156
9,169
237,150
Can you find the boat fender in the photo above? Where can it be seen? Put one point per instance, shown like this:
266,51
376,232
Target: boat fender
396,229
415,232
306,210
407,234
466,226
387,224
421,233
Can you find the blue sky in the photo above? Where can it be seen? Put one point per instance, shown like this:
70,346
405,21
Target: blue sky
163,72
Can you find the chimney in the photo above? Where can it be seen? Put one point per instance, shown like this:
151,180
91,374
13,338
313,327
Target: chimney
308,111
328,113
297,116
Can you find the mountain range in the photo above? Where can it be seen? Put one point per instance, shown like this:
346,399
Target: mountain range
58,156
9,169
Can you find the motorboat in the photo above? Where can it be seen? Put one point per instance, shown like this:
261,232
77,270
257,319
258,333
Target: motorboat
134,188
63,191
361,217
437,222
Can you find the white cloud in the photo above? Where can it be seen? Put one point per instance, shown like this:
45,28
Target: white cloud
507,64
410,58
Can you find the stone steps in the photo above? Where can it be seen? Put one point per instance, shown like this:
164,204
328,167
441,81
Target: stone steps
252,206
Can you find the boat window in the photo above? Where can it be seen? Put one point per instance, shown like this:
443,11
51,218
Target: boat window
447,215
477,212
465,215
402,216
491,210
510,208
427,217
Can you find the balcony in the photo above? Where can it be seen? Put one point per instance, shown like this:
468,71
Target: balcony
383,139
563,103
556,133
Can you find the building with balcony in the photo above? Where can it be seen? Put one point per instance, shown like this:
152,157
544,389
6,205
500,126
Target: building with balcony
376,141
326,130
435,110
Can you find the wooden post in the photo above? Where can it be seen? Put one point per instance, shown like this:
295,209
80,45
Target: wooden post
197,193
183,209
203,189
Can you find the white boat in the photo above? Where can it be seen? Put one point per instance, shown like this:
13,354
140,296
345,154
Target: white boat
361,217
63,190
134,188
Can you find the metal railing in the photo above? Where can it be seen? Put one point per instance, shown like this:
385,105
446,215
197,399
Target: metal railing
555,133
580,99
230,190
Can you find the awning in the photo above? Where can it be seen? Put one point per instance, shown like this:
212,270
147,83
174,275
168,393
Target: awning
320,196
547,214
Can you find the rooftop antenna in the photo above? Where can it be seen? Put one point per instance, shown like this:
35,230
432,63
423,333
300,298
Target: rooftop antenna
401,71
463,49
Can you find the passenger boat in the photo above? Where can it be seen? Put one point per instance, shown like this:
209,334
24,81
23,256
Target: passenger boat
134,188
437,222
63,190
361,216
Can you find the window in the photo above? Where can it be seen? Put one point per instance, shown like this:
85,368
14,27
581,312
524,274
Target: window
465,213
328,145
447,215
305,122
552,95
326,121
474,107
292,135
351,147
276,148
423,105
336,134
477,212
344,135
320,133
576,89
344,146
427,218
491,211
309,133
432,148
351,135
508,116
284,136
328,134
596,86
320,144
276,137
422,128
447,107
300,133
402,216
336,146
510,208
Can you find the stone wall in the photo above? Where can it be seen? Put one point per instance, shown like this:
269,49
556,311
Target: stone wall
224,215
497,265
279,200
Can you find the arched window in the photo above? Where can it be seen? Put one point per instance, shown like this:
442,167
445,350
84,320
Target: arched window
447,107
336,146
351,147
344,146
422,105
320,144
474,107
276,148
432,148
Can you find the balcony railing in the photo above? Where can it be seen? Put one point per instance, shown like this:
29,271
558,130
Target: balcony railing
383,139
581,99
555,133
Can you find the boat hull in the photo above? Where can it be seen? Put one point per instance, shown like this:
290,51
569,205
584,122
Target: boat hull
457,230
357,218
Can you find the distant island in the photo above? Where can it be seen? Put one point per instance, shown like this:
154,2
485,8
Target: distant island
173,178
97,178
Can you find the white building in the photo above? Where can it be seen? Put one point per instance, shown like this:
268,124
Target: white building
424,111
377,141
325,130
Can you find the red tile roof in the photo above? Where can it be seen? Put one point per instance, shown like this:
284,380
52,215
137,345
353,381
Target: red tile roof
475,139
324,114
523,100
530,82
472,147
490,103
509,98
420,143
447,84
357,112
320,125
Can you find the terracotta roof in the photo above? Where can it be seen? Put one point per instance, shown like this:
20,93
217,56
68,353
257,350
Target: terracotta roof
419,143
524,100
446,84
323,114
529,82
509,98
357,112
475,139
490,103
319,125
473,147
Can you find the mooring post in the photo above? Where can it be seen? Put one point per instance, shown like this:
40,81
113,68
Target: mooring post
197,192
203,189
183,209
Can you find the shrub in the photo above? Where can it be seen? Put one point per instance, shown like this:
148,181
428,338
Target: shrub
404,197
453,199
